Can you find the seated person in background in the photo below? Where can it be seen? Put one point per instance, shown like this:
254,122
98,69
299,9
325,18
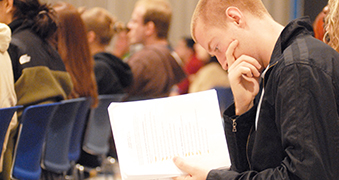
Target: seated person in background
112,74
156,67
318,24
209,76
185,50
7,92
332,24
39,73
71,43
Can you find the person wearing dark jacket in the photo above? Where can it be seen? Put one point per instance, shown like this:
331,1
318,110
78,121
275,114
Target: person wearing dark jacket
112,74
39,72
285,118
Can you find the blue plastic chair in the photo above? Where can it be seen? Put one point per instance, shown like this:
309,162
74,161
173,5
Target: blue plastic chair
98,132
78,129
32,132
225,97
6,115
77,137
58,138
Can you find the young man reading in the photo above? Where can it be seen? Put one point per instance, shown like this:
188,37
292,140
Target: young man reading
284,122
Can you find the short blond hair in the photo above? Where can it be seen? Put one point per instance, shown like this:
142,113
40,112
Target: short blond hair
212,12
160,13
332,24
101,22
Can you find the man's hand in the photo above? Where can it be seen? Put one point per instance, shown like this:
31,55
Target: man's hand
194,172
244,75
121,44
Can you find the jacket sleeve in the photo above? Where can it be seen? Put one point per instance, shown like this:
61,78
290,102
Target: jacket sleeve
39,84
306,115
237,130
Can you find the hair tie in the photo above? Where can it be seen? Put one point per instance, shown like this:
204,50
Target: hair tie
42,12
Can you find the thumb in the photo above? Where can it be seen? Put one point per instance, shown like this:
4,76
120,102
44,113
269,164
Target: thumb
183,165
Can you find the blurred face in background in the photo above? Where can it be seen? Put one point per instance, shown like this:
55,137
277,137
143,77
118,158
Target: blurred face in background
136,26
183,51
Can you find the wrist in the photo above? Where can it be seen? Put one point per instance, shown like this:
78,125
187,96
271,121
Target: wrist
239,110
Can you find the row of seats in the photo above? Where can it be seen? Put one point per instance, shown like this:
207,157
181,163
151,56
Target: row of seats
225,97
51,135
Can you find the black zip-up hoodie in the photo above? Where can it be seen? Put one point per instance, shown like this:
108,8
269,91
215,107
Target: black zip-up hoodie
297,132
39,73
112,74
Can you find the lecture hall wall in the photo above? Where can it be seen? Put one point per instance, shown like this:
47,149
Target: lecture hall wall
183,9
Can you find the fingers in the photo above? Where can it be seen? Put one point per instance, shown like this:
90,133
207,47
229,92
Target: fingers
181,164
246,66
186,167
255,85
244,76
230,59
195,172
249,71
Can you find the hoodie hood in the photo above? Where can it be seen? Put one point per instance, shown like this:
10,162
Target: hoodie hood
5,37
121,69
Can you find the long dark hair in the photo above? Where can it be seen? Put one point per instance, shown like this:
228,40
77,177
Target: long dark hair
42,15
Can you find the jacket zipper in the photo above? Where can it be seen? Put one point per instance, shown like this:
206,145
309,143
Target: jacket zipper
234,125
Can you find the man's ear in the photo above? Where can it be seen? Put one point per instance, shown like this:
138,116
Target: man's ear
235,15
91,36
150,28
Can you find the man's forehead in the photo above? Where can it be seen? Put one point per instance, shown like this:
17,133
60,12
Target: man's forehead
139,11
201,34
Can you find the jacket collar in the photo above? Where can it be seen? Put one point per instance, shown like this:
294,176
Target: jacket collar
18,24
298,27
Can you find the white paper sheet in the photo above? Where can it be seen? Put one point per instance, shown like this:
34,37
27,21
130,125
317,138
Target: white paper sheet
149,133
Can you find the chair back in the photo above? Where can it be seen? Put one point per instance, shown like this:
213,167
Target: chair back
78,128
6,115
31,136
225,97
55,153
98,131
